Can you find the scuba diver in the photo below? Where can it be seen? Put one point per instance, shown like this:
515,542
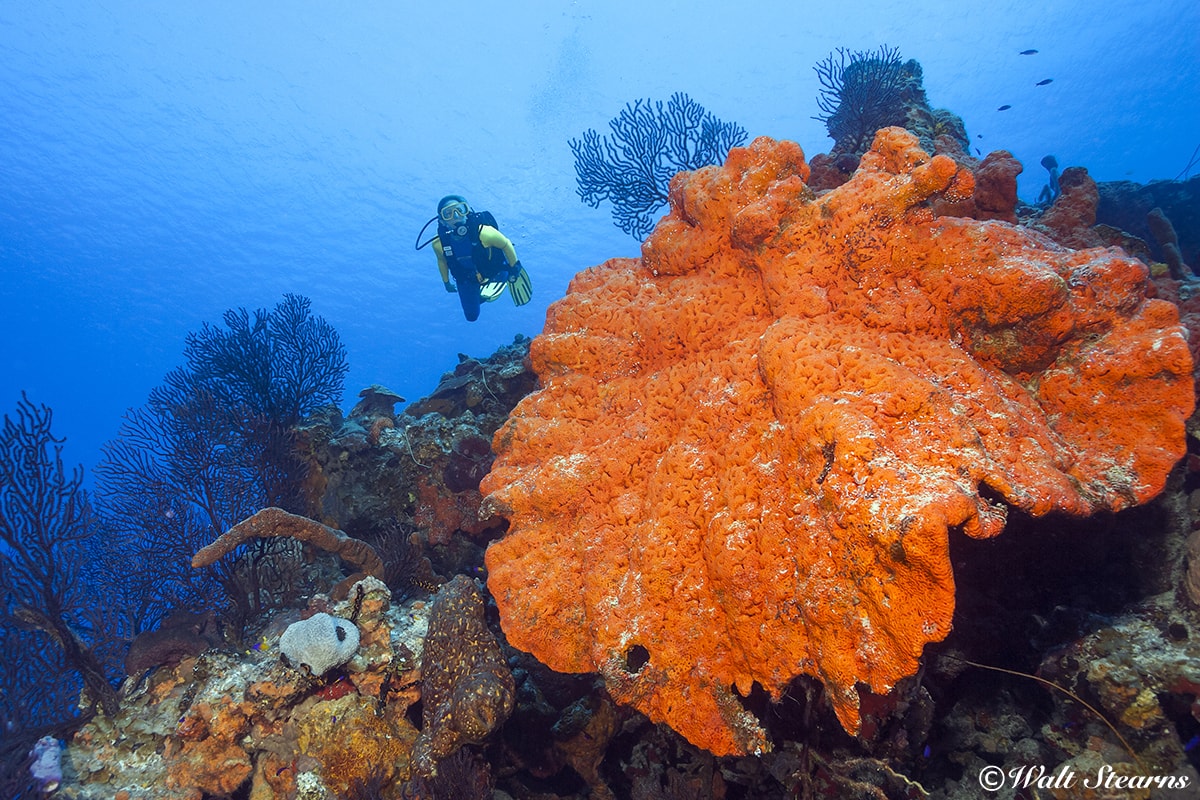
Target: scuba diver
1050,191
481,260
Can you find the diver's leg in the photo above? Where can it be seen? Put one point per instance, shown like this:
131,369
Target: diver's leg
468,295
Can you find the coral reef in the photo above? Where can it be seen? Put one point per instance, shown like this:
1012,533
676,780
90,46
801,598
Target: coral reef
467,689
181,634
230,721
1143,670
863,92
1091,622
420,477
1167,239
1192,584
996,187
582,734
1080,578
377,401
1071,219
752,444
212,445
463,775
1124,205
780,422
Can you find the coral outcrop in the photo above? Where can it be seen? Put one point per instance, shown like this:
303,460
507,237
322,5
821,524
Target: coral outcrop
996,187
1144,671
752,445
467,689
866,91
1125,205
1070,220
421,468
181,635
235,721
1168,242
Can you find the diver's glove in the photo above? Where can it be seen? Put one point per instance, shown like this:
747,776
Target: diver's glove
515,272
450,287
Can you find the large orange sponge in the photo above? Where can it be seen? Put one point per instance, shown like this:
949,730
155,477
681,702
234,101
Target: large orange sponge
750,444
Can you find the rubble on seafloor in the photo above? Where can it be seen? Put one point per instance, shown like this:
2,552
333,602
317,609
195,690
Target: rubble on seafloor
1104,608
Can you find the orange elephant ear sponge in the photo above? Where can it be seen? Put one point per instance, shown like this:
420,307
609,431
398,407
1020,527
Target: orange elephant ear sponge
752,443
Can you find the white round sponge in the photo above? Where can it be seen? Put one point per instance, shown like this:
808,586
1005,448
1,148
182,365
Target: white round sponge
320,643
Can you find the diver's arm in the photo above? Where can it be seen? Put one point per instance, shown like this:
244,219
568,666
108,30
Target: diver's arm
490,237
443,267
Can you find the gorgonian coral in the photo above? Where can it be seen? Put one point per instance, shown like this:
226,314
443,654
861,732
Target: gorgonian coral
214,444
650,143
861,92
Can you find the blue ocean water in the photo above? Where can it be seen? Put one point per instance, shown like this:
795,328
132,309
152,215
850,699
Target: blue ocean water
161,162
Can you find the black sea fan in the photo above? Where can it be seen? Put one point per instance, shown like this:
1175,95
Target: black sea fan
280,364
861,92
650,143
215,443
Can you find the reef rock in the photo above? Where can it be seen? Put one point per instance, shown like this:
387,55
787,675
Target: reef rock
751,445
1167,239
1071,219
419,469
1143,673
1125,205
377,401
996,187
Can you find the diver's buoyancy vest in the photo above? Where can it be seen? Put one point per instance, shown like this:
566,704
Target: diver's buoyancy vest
465,254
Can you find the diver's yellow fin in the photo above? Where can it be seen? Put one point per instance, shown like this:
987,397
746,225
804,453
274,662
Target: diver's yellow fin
521,288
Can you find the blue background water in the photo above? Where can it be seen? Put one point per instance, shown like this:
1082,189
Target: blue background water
161,162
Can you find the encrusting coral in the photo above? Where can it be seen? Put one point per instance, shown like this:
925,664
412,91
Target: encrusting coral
752,444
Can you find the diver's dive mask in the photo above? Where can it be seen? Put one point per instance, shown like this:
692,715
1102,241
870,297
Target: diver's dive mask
455,214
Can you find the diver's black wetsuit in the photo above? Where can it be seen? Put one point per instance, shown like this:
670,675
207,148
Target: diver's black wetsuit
469,253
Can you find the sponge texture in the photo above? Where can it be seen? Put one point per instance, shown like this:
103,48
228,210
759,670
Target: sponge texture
319,643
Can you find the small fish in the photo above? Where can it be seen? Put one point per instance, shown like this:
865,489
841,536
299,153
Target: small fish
978,151
1004,108
1028,52
1043,83
979,136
